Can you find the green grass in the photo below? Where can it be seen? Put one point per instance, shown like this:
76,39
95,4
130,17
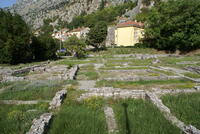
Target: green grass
5,84
39,90
185,107
79,118
144,84
124,50
142,118
123,68
17,119
192,75
87,75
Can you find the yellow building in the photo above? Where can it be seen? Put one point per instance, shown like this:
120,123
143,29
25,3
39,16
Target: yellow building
128,33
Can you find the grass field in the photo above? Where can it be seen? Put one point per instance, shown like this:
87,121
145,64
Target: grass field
185,106
39,90
173,83
18,119
141,117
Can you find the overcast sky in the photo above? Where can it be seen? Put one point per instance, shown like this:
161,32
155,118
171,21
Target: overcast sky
6,3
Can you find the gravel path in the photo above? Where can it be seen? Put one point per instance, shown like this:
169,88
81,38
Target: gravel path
86,84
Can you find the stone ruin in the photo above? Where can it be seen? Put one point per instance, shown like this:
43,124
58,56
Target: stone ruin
187,129
71,73
193,69
58,99
40,125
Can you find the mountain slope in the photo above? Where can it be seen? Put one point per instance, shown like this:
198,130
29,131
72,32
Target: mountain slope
34,11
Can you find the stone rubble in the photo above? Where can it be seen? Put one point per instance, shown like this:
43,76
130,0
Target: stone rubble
58,99
40,125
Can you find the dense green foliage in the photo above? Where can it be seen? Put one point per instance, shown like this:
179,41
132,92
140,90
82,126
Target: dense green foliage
141,117
17,45
76,47
107,14
44,47
15,39
174,25
186,107
97,35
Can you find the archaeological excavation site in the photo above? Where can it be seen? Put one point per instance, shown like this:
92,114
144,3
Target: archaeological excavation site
106,93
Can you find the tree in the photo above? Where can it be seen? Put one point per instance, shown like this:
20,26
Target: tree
15,39
44,47
97,35
174,25
76,47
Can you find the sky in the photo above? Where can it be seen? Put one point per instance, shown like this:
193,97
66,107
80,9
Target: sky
6,3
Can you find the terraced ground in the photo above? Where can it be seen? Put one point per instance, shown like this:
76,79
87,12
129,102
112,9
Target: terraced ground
118,69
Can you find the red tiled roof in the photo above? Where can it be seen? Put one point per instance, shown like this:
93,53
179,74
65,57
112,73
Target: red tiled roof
76,30
131,23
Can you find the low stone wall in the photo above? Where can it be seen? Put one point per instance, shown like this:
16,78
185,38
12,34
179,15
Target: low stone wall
20,102
41,125
167,113
71,73
28,69
161,92
193,69
110,119
145,56
58,99
12,78
115,93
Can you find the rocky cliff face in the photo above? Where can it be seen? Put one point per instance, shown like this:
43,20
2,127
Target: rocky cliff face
34,11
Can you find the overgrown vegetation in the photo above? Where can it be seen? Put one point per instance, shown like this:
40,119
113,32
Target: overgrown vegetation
185,106
38,90
141,117
80,117
17,119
